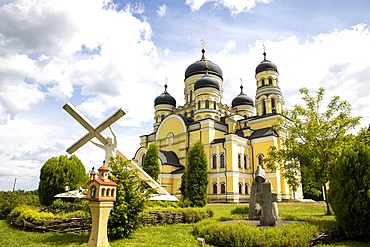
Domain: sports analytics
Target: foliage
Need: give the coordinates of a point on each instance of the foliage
(151, 165)
(243, 234)
(132, 195)
(79, 204)
(58, 172)
(349, 184)
(32, 215)
(12, 199)
(177, 215)
(195, 178)
(240, 210)
(314, 140)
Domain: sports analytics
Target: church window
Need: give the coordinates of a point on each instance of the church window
(214, 188)
(223, 188)
(214, 161)
(214, 105)
(270, 81)
(222, 160)
(162, 117)
(260, 160)
(245, 161)
(263, 82)
(273, 105)
(240, 188)
(239, 161)
(142, 159)
(207, 104)
(247, 189)
(198, 105)
(185, 114)
(191, 95)
(169, 138)
(192, 114)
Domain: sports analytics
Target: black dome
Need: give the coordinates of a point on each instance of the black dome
(200, 67)
(206, 81)
(242, 99)
(266, 65)
(165, 99)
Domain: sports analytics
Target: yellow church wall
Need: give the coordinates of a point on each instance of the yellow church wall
(172, 124)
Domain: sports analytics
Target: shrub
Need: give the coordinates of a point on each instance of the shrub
(349, 184)
(32, 215)
(241, 234)
(12, 199)
(240, 210)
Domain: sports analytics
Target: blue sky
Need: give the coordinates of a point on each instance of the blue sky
(103, 55)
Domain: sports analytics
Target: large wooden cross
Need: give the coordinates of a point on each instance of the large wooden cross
(92, 130)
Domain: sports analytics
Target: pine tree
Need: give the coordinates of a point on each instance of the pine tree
(195, 179)
(151, 165)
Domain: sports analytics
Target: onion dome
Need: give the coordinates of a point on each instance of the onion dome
(165, 99)
(200, 67)
(206, 81)
(266, 65)
(242, 99)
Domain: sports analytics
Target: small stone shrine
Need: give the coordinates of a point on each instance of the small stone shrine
(263, 203)
(101, 195)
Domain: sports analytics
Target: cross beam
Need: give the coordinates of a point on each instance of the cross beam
(92, 130)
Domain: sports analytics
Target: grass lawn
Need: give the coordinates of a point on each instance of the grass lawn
(167, 235)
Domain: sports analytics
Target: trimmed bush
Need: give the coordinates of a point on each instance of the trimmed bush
(349, 184)
(240, 210)
(242, 234)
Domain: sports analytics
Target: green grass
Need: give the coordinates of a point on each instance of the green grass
(167, 235)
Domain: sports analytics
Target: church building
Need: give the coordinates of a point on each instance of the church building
(236, 138)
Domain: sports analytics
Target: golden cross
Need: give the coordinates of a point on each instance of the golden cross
(203, 43)
(264, 47)
(166, 80)
(241, 81)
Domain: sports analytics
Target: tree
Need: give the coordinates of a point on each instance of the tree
(349, 184)
(195, 178)
(314, 140)
(58, 172)
(151, 165)
(132, 195)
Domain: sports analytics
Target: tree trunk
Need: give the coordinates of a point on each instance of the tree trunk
(328, 212)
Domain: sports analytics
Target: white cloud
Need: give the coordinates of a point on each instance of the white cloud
(162, 10)
(234, 6)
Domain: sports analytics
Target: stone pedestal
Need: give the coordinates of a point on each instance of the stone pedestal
(100, 213)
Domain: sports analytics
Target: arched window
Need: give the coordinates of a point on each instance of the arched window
(214, 188)
(112, 193)
(192, 114)
(247, 189)
(191, 95)
(223, 188)
(245, 161)
(142, 159)
(102, 192)
(198, 105)
(270, 81)
(207, 104)
(239, 161)
(214, 105)
(93, 191)
(240, 188)
(263, 82)
(108, 192)
(162, 117)
(222, 160)
(214, 161)
(273, 105)
(260, 160)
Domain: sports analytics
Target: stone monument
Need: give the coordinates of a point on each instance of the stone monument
(263, 203)
(101, 195)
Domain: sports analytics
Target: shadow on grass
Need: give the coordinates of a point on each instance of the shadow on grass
(68, 238)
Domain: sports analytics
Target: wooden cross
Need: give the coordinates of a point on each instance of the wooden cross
(92, 130)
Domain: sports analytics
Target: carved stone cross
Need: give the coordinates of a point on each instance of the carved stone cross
(266, 199)
(92, 130)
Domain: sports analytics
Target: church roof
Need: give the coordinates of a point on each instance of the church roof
(242, 99)
(165, 99)
(169, 158)
(263, 132)
(201, 66)
(266, 65)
